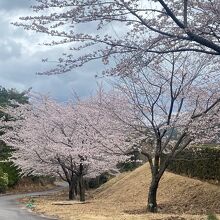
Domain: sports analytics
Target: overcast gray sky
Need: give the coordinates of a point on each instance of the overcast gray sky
(21, 54)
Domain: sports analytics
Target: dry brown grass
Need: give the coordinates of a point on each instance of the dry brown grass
(124, 197)
(26, 185)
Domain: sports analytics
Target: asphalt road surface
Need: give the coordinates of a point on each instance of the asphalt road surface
(11, 210)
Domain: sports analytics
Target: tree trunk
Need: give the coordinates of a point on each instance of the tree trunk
(81, 188)
(71, 191)
(76, 189)
(152, 196)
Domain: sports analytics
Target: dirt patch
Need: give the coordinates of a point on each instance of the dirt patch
(124, 197)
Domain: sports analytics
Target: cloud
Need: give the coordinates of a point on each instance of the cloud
(9, 49)
(20, 73)
(14, 4)
(20, 59)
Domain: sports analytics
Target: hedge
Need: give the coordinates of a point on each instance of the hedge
(201, 162)
(93, 183)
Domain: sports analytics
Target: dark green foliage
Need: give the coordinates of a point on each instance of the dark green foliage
(5, 151)
(127, 166)
(8, 167)
(212, 216)
(12, 171)
(92, 183)
(201, 162)
(6, 97)
(12, 94)
(136, 159)
(3, 181)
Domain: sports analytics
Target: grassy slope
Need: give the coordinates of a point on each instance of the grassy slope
(176, 193)
(124, 197)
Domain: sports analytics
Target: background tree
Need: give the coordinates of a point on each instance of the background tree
(119, 27)
(8, 98)
(69, 140)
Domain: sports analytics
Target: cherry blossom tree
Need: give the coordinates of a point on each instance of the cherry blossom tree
(177, 104)
(71, 140)
(99, 29)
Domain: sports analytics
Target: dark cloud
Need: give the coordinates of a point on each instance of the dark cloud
(20, 59)
(20, 73)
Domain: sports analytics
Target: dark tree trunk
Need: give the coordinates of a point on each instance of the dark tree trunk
(152, 196)
(76, 189)
(156, 176)
(81, 188)
(71, 191)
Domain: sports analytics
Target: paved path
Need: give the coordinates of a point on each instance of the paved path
(11, 210)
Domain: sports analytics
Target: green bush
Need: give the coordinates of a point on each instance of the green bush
(93, 183)
(126, 166)
(30, 203)
(202, 162)
(136, 160)
(3, 181)
(12, 171)
(212, 216)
